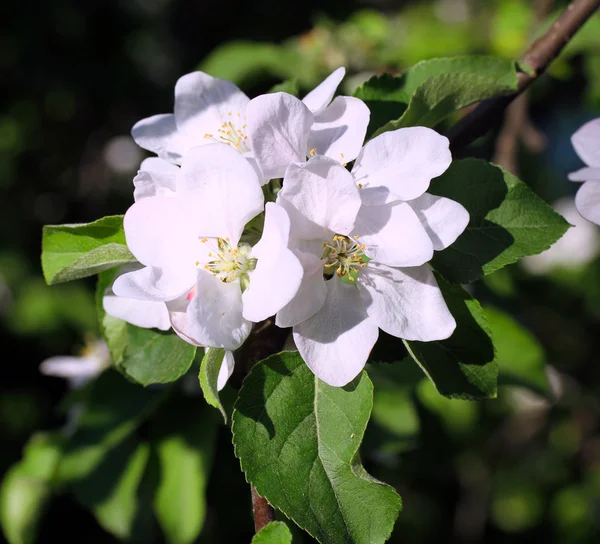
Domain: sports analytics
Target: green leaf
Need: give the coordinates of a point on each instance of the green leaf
(147, 356)
(114, 409)
(275, 532)
(519, 354)
(184, 444)
(27, 488)
(431, 90)
(75, 251)
(464, 365)
(290, 86)
(111, 490)
(209, 372)
(508, 220)
(297, 439)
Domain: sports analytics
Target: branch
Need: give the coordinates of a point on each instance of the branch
(539, 55)
(263, 512)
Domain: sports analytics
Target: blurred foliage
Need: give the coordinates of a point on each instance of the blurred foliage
(524, 466)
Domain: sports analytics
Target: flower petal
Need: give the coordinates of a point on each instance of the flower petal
(178, 315)
(226, 370)
(393, 235)
(318, 99)
(141, 313)
(154, 134)
(215, 313)
(585, 174)
(337, 340)
(310, 296)
(339, 131)
(278, 272)
(220, 191)
(203, 103)
(151, 283)
(586, 142)
(320, 198)
(406, 303)
(444, 219)
(404, 161)
(587, 201)
(278, 128)
(156, 177)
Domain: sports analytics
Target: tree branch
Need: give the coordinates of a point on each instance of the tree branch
(263, 512)
(539, 55)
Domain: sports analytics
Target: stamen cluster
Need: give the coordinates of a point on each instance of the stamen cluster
(345, 255)
(230, 262)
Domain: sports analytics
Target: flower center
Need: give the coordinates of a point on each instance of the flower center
(230, 263)
(230, 134)
(345, 257)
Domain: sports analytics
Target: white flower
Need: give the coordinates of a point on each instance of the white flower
(188, 240)
(79, 370)
(364, 265)
(577, 247)
(284, 130)
(586, 142)
(209, 110)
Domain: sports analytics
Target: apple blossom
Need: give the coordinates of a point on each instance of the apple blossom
(364, 265)
(188, 240)
(586, 142)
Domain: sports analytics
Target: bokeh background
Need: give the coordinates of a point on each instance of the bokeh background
(77, 75)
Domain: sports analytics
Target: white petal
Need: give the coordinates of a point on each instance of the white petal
(586, 142)
(141, 313)
(337, 340)
(156, 177)
(215, 313)
(585, 174)
(404, 161)
(406, 303)
(318, 99)
(179, 319)
(393, 235)
(278, 272)
(226, 370)
(203, 103)
(339, 131)
(587, 201)
(154, 134)
(278, 128)
(154, 284)
(444, 219)
(320, 196)
(310, 296)
(220, 190)
(78, 370)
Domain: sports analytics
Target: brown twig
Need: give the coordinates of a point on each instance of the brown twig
(539, 55)
(263, 512)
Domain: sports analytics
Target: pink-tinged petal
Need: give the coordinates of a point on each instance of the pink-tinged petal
(444, 219)
(203, 103)
(587, 201)
(226, 370)
(156, 177)
(339, 131)
(585, 174)
(215, 313)
(141, 313)
(310, 296)
(406, 303)
(278, 272)
(586, 142)
(278, 129)
(393, 235)
(155, 133)
(219, 191)
(178, 315)
(335, 342)
(320, 197)
(403, 161)
(319, 98)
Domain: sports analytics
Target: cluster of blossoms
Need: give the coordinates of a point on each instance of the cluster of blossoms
(339, 254)
(586, 142)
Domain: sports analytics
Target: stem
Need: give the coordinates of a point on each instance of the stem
(263, 512)
(539, 55)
